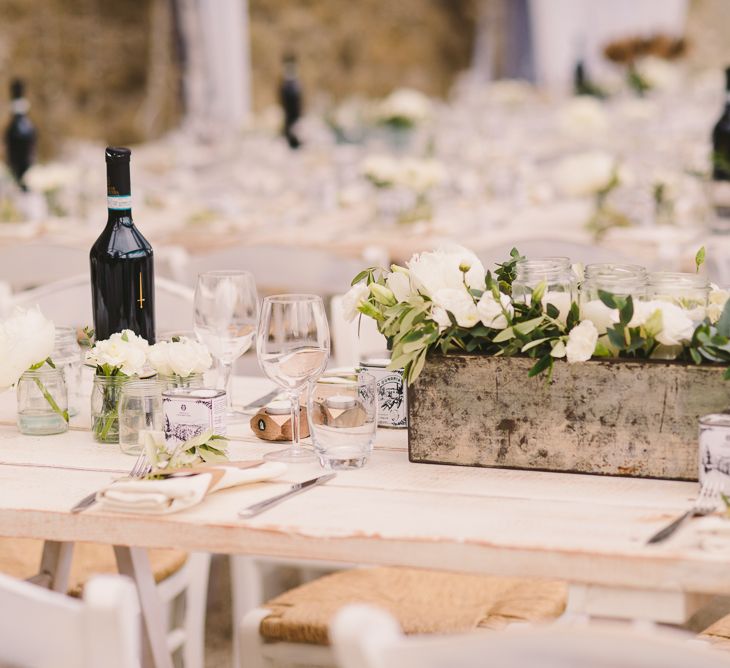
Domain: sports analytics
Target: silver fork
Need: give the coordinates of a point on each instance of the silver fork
(706, 503)
(140, 469)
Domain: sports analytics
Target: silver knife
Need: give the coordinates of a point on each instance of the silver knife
(300, 487)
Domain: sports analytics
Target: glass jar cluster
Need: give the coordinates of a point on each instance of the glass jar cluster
(562, 286)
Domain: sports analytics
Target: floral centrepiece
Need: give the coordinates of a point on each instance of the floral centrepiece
(27, 340)
(444, 301)
(205, 448)
(115, 359)
(180, 362)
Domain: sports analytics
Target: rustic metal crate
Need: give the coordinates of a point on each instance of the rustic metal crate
(609, 417)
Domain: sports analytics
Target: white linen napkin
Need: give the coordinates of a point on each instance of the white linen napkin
(171, 495)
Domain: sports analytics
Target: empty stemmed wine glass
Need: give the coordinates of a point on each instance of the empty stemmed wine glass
(226, 315)
(293, 347)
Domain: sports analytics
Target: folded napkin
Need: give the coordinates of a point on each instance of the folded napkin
(182, 489)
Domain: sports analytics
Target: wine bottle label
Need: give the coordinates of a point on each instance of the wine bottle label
(119, 202)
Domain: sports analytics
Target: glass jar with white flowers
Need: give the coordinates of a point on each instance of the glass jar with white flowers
(116, 360)
(180, 363)
(26, 343)
(690, 292)
(555, 274)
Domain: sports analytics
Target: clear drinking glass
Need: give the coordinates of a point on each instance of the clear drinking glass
(226, 313)
(343, 415)
(140, 409)
(293, 347)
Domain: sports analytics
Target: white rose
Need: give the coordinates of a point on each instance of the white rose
(406, 105)
(382, 170)
(459, 303)
(584, 174)
(26, 338)
(399, 284)
(179, 358)
(124, 351)
(581, 342)
(435, 270)
(676, 325)
(599, 314)
(440, 317)
(355, 297)
(491, 311)
(658, 73)
(718, 298)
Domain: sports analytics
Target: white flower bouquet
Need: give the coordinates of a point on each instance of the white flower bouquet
(444, 301)
(115, 359)
(27, 340)
(403, 109)
(179, 361)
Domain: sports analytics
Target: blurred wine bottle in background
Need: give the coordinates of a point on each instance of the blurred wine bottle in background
(290, 95)
(720, 185)
(122, 263)
(20, 135)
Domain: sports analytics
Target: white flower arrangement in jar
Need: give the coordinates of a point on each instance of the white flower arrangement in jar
(180, 363)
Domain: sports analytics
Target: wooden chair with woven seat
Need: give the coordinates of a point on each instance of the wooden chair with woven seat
(292, 629)
(182, 584)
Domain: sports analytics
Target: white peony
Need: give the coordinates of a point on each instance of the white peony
(353, 299)
(492, 312)
(26, 338)
(584, 173)
(124, 351)
(179, 358)
(440, 317)
(435, 270)
(658, 73)
(400, 285)
(459, 303)
(599, 314)
(582, 341)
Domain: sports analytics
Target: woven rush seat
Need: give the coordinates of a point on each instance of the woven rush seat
(21, 558)
(423, 601)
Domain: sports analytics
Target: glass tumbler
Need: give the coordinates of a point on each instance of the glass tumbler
(342, 412)
(42, 402)
(140, 409)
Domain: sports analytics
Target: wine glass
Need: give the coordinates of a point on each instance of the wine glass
(226, 314)
(293, 347)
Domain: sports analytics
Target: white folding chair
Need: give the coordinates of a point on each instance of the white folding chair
(28, 265)
(44, 629)
(68, 303)
(366, 637)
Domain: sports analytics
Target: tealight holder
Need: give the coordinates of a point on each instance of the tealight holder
(273, 422)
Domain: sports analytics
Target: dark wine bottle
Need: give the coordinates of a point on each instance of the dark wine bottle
(721, 139)
(290, 95)
(122, 263)
(20, 135)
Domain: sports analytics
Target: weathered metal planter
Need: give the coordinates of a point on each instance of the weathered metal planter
(606, 417)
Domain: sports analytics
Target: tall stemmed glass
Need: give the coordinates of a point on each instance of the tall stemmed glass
(226, 315)
(293, 346)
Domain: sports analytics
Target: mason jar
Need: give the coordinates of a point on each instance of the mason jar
(618, 271)
(105, 394)
(42, 402)
(194, 381)
(561, 285)
(622, 280)
(140, 409)
(67, 357)
(690, 292)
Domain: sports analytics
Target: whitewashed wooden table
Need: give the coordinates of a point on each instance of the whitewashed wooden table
(590, 531)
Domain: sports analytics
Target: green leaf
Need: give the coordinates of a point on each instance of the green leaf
(602, 350)
(535, 343)
(505, 335)
(696, 357)
(723, 324)
(552, 311)
(726, 375)
(526, 327)
(700, 258)
(539, 292)
(417, 367)
(362, 275)
(627, 311)
(607, 298)
(616, 337)
(543, 363)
